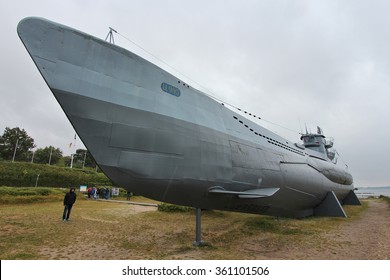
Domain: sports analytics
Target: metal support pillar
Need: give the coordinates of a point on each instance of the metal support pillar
(198, 241)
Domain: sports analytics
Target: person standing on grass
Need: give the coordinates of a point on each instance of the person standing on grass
(89, 192)
(69, 200)
(129, 194)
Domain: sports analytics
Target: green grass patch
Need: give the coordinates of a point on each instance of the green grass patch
(23, 174)
(12, 195)
(12, 191)
(282, 226)
(167, 207)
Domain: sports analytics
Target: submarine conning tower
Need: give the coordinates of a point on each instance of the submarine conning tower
(318, 142)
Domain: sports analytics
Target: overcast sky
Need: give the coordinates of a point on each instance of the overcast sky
(294, 63)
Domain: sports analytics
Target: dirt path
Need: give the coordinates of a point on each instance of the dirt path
(365, 238)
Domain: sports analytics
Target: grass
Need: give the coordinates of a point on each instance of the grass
(23, 195)
(102, 230)
(166, 207)
(385, 198)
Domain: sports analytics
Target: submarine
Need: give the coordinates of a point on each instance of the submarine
(157, 136)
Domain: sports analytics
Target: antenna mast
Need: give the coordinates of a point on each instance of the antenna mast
(110, 35)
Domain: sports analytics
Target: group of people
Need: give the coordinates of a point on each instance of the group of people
(95, 193)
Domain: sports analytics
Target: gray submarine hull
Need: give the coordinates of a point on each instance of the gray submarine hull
(158, 137)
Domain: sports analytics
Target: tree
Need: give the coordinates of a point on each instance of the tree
(49, 155)
(15, 144)
(83, 158)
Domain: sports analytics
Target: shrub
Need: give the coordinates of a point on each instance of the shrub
(17, 195)
(166, 207)
(21, 174)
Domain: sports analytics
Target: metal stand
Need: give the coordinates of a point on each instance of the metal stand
(110, 35)
(198, 241)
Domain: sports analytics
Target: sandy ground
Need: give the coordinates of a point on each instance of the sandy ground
(364, 238)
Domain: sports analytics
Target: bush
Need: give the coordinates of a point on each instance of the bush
(17, 195)
(12, 191)
(166, 207)
(21, 174)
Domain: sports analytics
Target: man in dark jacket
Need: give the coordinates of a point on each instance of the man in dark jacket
(69, 200)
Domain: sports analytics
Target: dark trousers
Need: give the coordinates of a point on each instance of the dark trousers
(66, 213)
